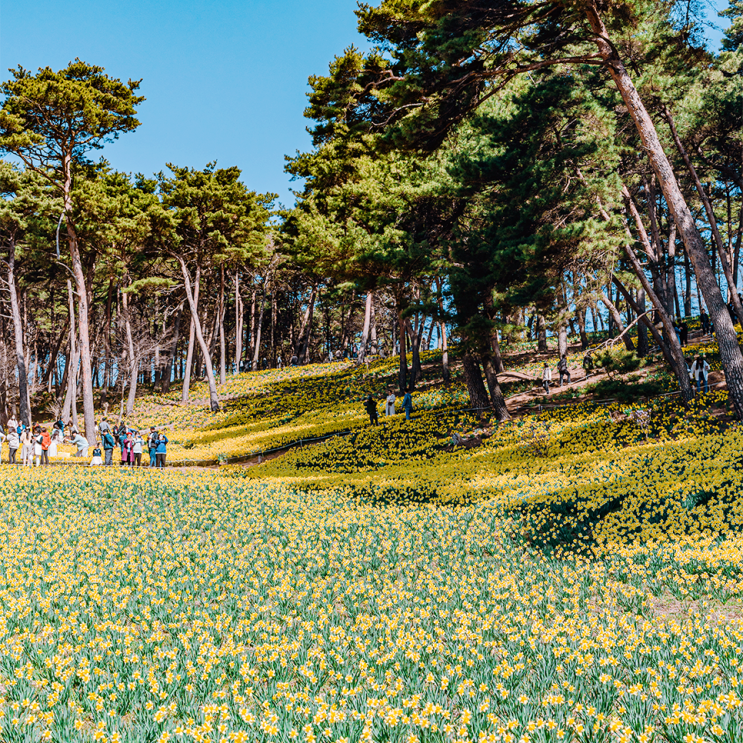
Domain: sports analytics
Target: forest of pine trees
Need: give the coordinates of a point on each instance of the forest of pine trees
(486, 172)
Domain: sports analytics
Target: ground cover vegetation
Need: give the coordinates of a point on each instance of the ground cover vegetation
(490, 187)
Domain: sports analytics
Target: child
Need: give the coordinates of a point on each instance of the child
(97, 458)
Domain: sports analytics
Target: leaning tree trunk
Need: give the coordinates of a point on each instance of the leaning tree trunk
(491, 377)
(213, 398)
(717, 238)
(133, 360)
(191, 337)
(617, 318)
(24, 399)
(238, 323)
(727, 339)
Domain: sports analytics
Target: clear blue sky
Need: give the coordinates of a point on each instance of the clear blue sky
(224, 80)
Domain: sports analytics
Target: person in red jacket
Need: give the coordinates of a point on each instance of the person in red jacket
(46, 442)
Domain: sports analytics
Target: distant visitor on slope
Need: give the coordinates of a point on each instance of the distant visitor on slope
(588, 363)
(562, 368)
(546, 377)
(371, 408)
(389, 408)
(684, 333)
(407, 404)
(700, 373)
(704, 319)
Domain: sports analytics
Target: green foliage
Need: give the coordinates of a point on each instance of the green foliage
(617, 360)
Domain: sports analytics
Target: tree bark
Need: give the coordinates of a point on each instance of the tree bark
(730, 353)
(191, 337)
(717, 238)
(617, 319)
(24, 398)
(222, 349)
(133, 360)
(542, 335)
(473, 379)
(213, 398)
(83, 326)
(402, 374)
(367, 325)
(239, 315)
(259, 330)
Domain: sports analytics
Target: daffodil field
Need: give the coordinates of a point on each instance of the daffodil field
(576, 576)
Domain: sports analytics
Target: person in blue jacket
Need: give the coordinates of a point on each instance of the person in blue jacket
(162, 449)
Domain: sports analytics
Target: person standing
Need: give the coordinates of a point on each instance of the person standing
(152, 446)
(162, 450)
(700, 373)
(371, 408)
(108, 447)
(279, 363)
(27, 448)
(13, 442)
(704, 319)
(46, 442)
(546, 377)
(96, 461)
(137, 446)
(37, 440)
(562, 368)
(684, 333)
(407, 404)
(2, 438)
(389, 408)
(126, 451)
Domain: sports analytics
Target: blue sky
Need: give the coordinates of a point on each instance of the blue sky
(224, 80)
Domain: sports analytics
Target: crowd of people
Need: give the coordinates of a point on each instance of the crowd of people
(34, 447)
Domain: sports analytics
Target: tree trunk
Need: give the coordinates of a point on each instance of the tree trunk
(367, 325)
(305, 331)
(239, 315)
(133, 360)
(24, 398)
(168, 370)
(562, 341)
(259, 330)
(415, 340)
(191, 337)
(83, 327)
(473, 379)
(643, 347)
(70, 404)
(542, 335)
(213, 399)
(717, 238)
(402, 374)
(730, 353)
(222, 349)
